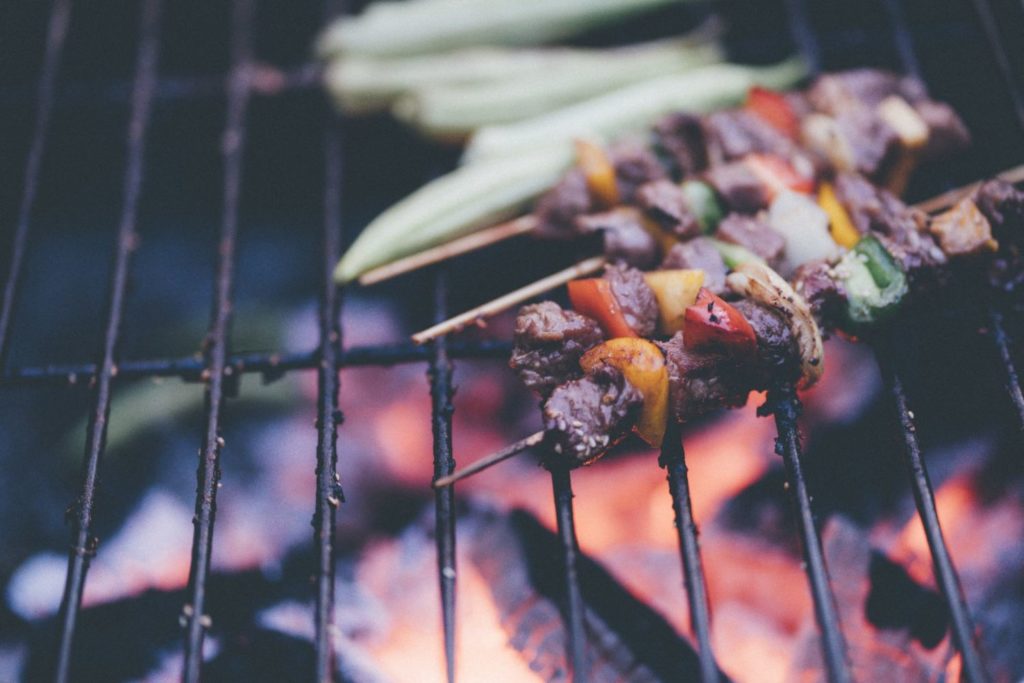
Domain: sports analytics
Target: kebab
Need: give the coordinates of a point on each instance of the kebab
(869, 121)
(631, 354)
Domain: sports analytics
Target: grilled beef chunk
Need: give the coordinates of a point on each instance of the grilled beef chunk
(549, 342)
(557, 210)
(699, 253)
(963, 230)
(870, 140)
(838, 92)
(635, 165)
(738, 186)
(585, 417)
(624, 236)
(663, 202)
(1003, 206)
(947, 134)
(820, 287)
(777, 355)
(735, 133)
(700, 382)
(679, 139)
(902, 229)
(753, 233)
(635, 298)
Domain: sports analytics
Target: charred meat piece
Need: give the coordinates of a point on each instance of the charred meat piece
(635, 165)
(838, 92)
(902, 229)
(735, 133)
(679, 140)
(624, 237)
(699, 253)
(702, 382)
(549, 341)
(963, 230)
(635, 298)
(870, 141)
(585, 417)
(740, 188)
(821, 288)
(557, 210)
(753, 233)
(664, 202)
(777, 356)
(947, 134)
(1003, 206)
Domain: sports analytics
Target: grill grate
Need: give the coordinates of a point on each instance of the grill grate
(219, 369)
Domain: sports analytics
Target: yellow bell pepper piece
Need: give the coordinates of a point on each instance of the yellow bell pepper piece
(599, 171)
(675, 290)
(840, 225)
(643, 366)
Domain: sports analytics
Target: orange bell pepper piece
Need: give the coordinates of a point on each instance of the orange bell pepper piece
(599, 171)
(593, 297)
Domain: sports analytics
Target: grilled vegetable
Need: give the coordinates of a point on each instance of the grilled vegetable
(632, 108)
(875, 285)
(804, 226)
(734, 254)
(773, 108)
(703, 203)
(762, 284)
(712, 324)
(454, 109)
(840, 226)
(593, 297)
(597, 168)
(675, 291)
(387, 29)
(454, 204)
(643, 366)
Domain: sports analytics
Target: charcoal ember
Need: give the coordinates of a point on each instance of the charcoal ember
(635, 164)
(664, 202)
(635, 298)
(702, 254)
(558, 209)
(754, 234)
(739, 187)
(585, 417)
(548, 344)
(891, 652)
(679, 139)
(624, 238)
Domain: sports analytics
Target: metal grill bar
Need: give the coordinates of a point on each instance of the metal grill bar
(673, 460)
(786, 407)
(576, 635)
(329, 494)
(945, 574)
(1002, 342)
(56, 34)
(987, 18)
(83, 543)
(440, 374)
(270, 364)
(208, 471)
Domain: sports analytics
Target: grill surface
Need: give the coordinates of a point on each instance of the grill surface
(220, 369)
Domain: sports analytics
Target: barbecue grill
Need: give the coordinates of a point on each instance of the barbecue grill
(819, 34)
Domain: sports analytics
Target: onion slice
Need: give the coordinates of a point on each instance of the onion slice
(760, 283)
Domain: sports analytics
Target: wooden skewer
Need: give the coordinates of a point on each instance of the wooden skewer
(947, 199)
(585, 267)
(492, 459)
(457, 247)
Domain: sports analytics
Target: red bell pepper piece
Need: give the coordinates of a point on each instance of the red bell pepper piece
(593, 297)
(777, 174)
(712, 324)
(773, 108)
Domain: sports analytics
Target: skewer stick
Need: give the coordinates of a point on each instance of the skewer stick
(948, 199)
(585, 267)
(492, 459)
(457, 247)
